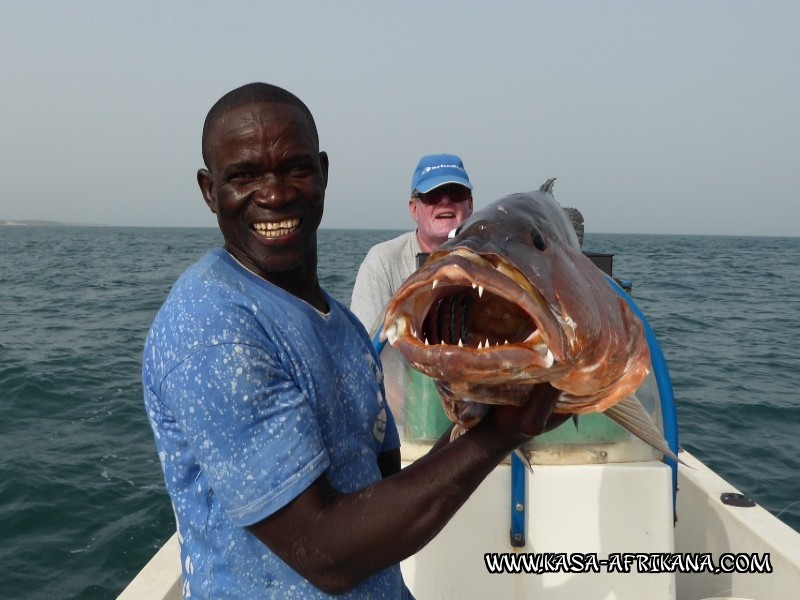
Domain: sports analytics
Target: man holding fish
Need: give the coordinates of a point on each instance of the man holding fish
(266, 397)
(441, 198)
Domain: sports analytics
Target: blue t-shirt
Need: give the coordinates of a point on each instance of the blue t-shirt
(252, 394)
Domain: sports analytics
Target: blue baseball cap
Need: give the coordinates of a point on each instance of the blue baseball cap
(435, 170)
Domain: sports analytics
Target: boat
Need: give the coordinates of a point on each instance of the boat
(714, 519)
(600, 515)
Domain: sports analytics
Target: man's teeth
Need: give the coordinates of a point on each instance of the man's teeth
(277, 228)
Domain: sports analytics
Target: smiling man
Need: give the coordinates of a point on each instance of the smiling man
(266, 397)
(441, 199)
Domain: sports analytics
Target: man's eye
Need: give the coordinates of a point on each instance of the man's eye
(299, 170)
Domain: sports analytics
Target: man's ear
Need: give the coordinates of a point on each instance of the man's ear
(324, 164)
(206, 183)
(412, 208)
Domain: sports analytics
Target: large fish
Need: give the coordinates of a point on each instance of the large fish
(511, 302)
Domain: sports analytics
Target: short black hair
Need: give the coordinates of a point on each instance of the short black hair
(247, 94)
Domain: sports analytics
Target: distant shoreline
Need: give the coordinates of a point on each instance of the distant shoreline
(33, 223)
(29, 223)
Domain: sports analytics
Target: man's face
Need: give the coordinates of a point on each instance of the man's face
(266, 184)
(439, 211)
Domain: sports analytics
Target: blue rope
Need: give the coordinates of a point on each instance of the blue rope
(376, 341)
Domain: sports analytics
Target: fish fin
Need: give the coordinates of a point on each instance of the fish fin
(632, 416)
(456, 432)
(525, 455)
(575, 421)
(547, 186)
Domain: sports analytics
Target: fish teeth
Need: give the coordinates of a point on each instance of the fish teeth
(426, 342)
(535, 338)
(480, 345)
(546, 354)
(460, 343)
(435, 283)
(391, 334)
(480, 291)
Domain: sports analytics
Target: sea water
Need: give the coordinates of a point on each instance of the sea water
(82, 501)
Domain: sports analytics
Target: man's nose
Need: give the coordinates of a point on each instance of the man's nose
(273, 192)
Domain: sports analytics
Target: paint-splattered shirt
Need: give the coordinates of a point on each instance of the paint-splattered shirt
(252, 394)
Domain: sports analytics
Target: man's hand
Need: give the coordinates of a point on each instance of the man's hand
(534, 417)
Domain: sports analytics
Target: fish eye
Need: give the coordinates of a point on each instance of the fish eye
(538, 242)
(454, 232)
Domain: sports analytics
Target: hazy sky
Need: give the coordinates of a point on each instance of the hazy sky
(656, 117)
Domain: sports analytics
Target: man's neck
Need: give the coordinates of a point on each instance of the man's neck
(427, 244)
(305, 287)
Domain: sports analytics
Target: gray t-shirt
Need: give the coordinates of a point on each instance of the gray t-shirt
(386, 266)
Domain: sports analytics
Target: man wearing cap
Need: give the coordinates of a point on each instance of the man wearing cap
(441, 199)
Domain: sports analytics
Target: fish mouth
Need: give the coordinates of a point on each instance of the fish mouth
(475, 316)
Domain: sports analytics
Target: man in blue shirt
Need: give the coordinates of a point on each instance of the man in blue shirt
(266, 397)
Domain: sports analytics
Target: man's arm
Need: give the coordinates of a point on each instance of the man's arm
(389, 462)
(337, 540)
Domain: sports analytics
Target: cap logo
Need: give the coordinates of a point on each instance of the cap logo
(428, 169)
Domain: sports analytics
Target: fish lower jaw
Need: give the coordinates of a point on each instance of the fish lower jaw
(534, 343)
(548, 359)
(446, 361)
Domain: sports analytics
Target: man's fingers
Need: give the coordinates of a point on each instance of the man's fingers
(535, 415)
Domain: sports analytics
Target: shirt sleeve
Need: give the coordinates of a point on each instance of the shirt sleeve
(371, 292)
(252, 429)
(391, 440)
